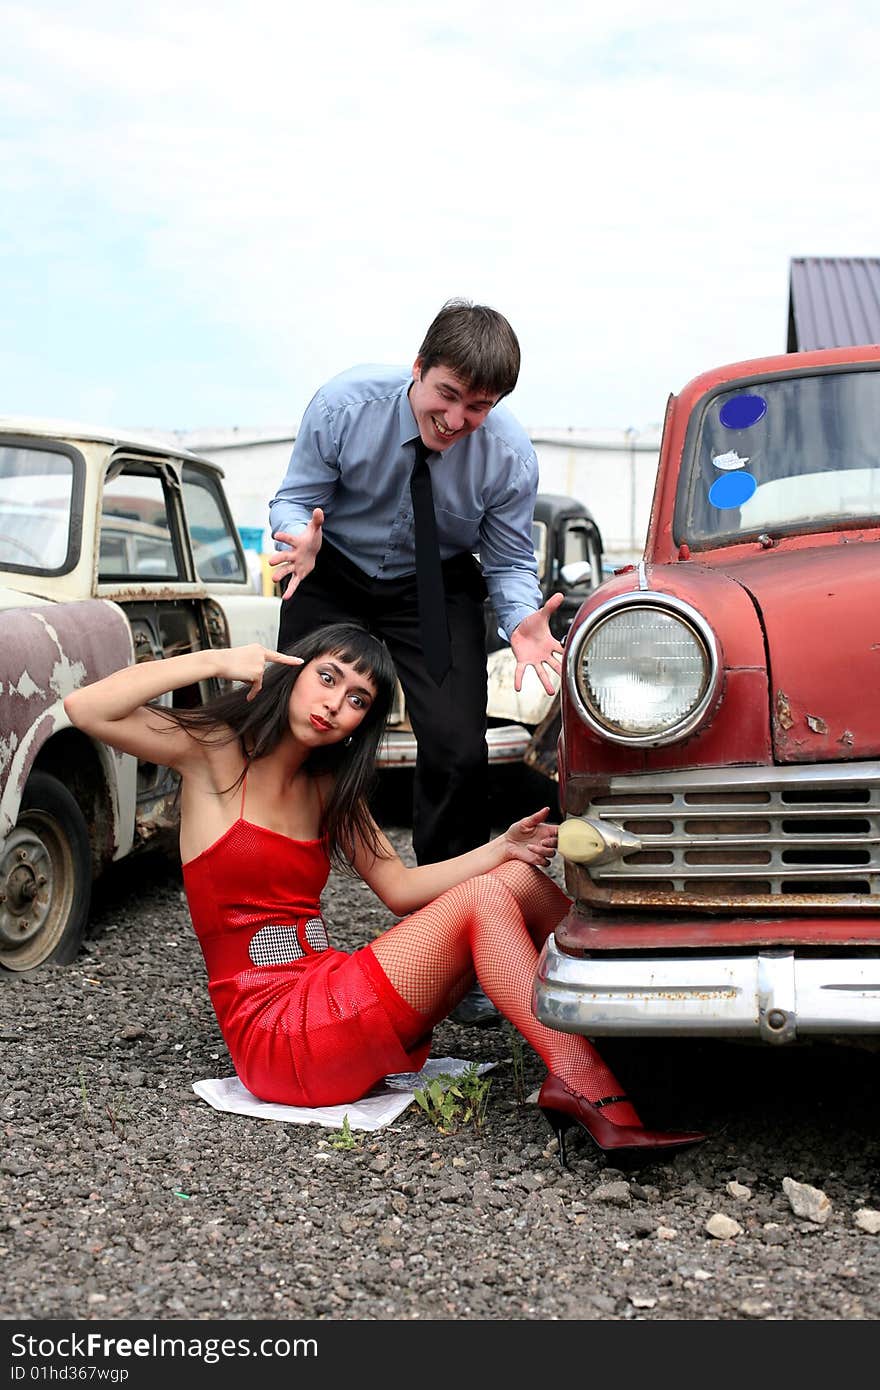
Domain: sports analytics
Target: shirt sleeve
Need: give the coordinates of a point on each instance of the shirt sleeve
(506, 552)
(312, 474)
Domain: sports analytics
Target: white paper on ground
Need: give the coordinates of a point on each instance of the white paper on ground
(383, 1104)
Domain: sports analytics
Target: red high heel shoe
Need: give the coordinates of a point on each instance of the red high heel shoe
(562, 1108)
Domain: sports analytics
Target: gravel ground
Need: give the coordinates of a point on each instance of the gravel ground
(124, 1196)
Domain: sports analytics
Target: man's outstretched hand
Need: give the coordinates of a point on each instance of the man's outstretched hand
(534, 645)
(299, 559)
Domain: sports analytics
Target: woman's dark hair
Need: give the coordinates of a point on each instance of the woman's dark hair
(261, 723)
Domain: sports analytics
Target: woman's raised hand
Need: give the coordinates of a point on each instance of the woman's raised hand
(531, 838)
(248, 664)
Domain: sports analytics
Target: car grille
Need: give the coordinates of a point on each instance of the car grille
(745, 839)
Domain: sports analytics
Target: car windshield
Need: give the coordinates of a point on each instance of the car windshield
(801, 453)
(36, 487)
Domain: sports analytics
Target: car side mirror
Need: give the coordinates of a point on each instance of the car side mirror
(575, 573)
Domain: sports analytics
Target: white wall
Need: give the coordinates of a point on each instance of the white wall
(611, 472)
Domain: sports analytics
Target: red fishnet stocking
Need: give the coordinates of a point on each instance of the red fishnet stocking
(495, 923)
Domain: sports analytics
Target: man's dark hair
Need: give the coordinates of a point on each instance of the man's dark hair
(475, 342)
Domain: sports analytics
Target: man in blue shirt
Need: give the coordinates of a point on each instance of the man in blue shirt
(344, 512)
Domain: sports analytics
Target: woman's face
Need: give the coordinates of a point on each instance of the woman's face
(329, 701)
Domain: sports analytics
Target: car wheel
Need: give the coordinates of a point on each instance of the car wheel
(45, 878)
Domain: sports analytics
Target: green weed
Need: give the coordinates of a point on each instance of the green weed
(450, 1102)
(342, 1138)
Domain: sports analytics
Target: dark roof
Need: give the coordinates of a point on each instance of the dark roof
(834, 301)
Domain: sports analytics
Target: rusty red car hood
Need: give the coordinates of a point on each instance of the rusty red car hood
(820, 609)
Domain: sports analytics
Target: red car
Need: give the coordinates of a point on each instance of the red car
(719, 756)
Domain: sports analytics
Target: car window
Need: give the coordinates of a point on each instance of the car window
(215, 548)
(36, 490)
(136, 538)
(573, 543)
(797, 454)
(579, 546)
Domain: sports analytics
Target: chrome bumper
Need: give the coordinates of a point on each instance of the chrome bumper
(773, 995)
(507, 743)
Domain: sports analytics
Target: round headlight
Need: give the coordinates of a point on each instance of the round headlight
(643, 671)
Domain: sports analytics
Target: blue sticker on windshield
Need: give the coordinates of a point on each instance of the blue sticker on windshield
(731, 490)
(742, 411)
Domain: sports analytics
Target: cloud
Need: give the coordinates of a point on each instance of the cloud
(217, 206)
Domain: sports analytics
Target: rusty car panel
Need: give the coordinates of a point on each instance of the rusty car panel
(47, 652)
(740, 815)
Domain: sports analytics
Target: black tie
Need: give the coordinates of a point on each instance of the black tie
(429, 575)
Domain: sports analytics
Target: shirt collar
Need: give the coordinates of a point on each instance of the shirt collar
(406, 421)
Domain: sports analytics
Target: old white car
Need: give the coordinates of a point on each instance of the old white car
(112, 550)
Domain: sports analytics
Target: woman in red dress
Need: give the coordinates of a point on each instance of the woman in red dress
(274, 781)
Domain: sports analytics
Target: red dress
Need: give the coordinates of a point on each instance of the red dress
(305, 1024)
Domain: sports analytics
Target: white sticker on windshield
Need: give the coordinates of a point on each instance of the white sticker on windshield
(729, 461)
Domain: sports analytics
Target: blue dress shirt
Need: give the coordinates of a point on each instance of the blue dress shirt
(353, 457)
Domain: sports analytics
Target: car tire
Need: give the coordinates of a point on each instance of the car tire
(45, 878)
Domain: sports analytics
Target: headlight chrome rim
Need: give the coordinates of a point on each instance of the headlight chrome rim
(701, 630)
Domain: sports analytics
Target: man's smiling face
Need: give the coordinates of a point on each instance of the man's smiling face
(445, 407)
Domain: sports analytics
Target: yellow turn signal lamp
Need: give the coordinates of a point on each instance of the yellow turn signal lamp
(584, 841)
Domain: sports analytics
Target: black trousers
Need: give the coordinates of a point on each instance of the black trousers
(451, 787)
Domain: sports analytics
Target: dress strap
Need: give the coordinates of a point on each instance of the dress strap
(243, 790)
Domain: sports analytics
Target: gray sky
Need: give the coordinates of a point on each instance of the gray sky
(206, 209)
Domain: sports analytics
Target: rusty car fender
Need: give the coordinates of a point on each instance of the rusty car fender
(46, 651)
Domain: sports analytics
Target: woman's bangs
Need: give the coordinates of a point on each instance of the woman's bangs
(367, 657)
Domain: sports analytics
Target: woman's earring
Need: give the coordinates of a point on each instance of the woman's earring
(348, 741)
